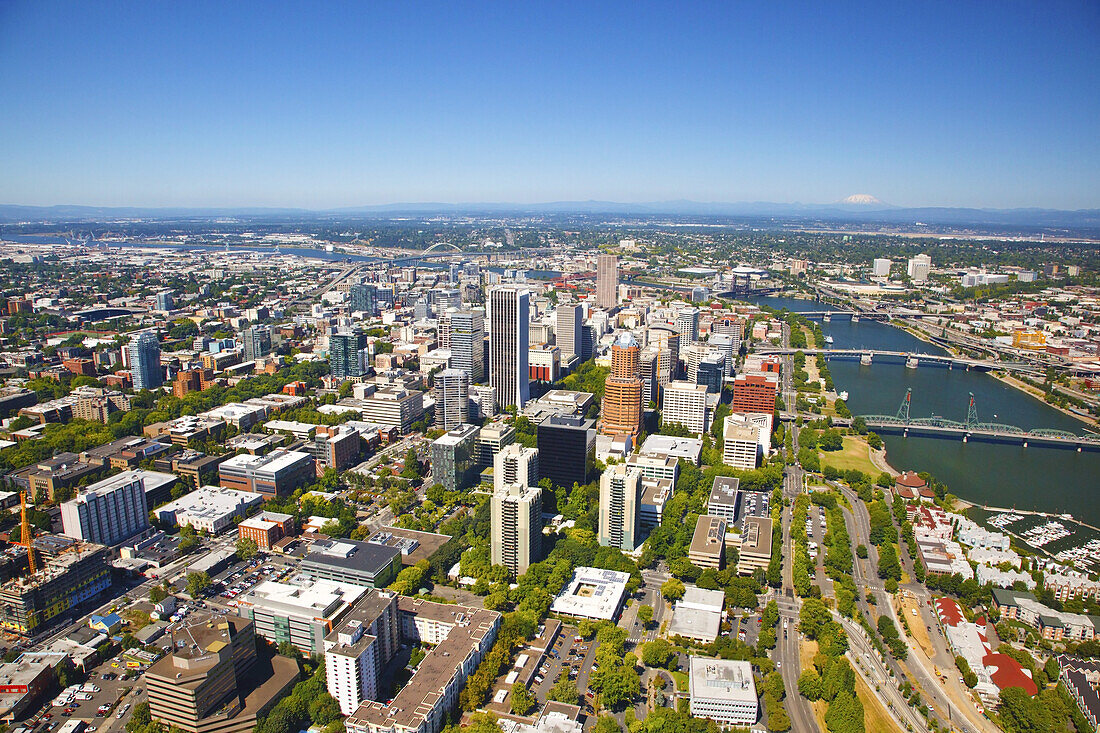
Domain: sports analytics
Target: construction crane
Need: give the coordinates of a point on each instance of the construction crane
(25, 538)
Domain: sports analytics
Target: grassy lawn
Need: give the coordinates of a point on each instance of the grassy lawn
(875, 716)
(681, 680)
(138, 619)
(855, 454)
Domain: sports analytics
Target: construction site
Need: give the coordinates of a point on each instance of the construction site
(60, 573)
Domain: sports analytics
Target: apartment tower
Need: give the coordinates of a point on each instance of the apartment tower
(509, 337)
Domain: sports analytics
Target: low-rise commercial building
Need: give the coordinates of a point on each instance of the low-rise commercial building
(592, 593)
(723, 691)
(24, 683)
(266, 528)
(209, 509)
(276, 474)
(755, 551)
(301, 614)
(708, 543)
(668, 446)
(351, 561)
(698, 615)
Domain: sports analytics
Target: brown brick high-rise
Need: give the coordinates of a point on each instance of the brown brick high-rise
(755, 392)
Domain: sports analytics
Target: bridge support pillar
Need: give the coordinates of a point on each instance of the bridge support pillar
(905, 433)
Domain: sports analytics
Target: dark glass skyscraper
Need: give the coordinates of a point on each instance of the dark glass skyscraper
(343, 353)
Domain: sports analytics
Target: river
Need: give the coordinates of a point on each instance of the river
(1040, 478)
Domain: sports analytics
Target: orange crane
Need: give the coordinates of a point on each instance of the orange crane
(25, 538)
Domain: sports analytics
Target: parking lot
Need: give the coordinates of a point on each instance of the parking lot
(568, 655)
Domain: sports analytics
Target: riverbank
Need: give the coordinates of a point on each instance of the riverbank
(1038, 394)
(1004, 378)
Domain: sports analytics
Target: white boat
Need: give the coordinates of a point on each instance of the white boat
(828, 339)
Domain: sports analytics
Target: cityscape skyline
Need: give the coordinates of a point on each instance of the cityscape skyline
(946, 105)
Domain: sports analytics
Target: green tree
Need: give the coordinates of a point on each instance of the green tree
(1021, 713)
(607, 724)
(809, 685)
(197, 583)
(157, 594)
(247, 548)
(645, 615)
(564, 690)
(656, 653)
(673, 589)
(522, 700)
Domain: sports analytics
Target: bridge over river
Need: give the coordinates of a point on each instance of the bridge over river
(913, 359)
(974, 429)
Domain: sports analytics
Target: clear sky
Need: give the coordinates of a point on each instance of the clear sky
(989, 103)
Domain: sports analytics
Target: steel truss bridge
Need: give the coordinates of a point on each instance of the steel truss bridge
(914, 359)
(975, 429)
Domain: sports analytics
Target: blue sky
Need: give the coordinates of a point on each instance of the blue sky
(992, 104)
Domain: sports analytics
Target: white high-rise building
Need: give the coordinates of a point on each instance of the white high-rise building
(509, 337)
(919, 268)
(723, 343)
(693, 355)
(687, 323)
(740, 444)
(107, 512)
(620, 493)
(516, 525)
(685, 403)
(569, 330)
(515, 464)
(463, 332)
(607, 281)
(881, 267)
(452, 398)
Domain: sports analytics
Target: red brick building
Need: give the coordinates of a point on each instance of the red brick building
(80, 366)
(755, 392)
(267, 528)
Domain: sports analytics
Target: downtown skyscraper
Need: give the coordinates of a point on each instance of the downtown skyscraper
(621, 408)
(452, 398)
(144, 356)
(607, 281)
(343, 353)
(569, 330)
(463, 332)
(509, 340)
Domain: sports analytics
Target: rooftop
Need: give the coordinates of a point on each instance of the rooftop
(352, 554)
(592, 593)
(724, 491)
(710, 535)
(724, 679)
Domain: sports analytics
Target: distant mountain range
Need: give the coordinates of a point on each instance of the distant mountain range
(860, 208)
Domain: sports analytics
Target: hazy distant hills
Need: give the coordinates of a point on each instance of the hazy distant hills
(859, 208)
